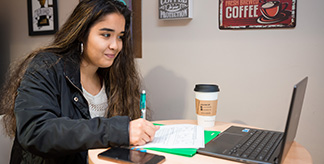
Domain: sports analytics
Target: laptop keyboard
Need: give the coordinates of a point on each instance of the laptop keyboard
(258, 145)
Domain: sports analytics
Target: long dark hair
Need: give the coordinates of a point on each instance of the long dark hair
(121, 79)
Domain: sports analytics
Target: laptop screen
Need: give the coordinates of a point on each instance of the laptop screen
(293, 116)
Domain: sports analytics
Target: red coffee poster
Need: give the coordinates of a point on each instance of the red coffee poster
(243, 14)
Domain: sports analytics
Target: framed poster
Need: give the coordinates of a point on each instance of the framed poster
(177, 9)
(42, 17)
(247, 14)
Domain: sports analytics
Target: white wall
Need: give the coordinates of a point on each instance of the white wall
(255, 69)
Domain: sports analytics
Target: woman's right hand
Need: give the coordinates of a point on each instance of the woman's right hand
(141, 132)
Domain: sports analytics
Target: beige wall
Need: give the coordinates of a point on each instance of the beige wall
(255, 69)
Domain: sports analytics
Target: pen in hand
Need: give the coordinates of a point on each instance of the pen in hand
(143, 104)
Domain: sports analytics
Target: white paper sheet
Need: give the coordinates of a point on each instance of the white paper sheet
(178, 136)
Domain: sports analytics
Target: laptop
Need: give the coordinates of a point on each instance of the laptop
(250, 145)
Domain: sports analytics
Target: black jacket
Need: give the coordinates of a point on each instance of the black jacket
(53, 120)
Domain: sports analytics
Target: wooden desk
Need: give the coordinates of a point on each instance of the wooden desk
(296, 155)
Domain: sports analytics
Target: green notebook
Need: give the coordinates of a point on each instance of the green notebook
(188, 152)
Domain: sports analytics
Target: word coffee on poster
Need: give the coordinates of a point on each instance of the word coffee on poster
(243, 14)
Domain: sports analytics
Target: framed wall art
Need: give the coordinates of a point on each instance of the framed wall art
(247, 14)
(176, 9)
(42, 17)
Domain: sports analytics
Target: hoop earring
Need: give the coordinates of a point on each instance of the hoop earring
(81, 45)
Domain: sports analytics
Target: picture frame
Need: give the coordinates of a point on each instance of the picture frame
(173, 10)
(42, 17)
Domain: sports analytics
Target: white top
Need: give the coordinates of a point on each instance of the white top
(98, 104)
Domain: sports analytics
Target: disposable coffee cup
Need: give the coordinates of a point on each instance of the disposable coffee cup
(206, 96)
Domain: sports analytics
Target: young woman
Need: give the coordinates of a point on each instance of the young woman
(78, 93)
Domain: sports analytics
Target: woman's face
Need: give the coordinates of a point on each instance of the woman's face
(104, 41)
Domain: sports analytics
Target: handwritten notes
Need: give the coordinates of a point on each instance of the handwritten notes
(178, 136)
